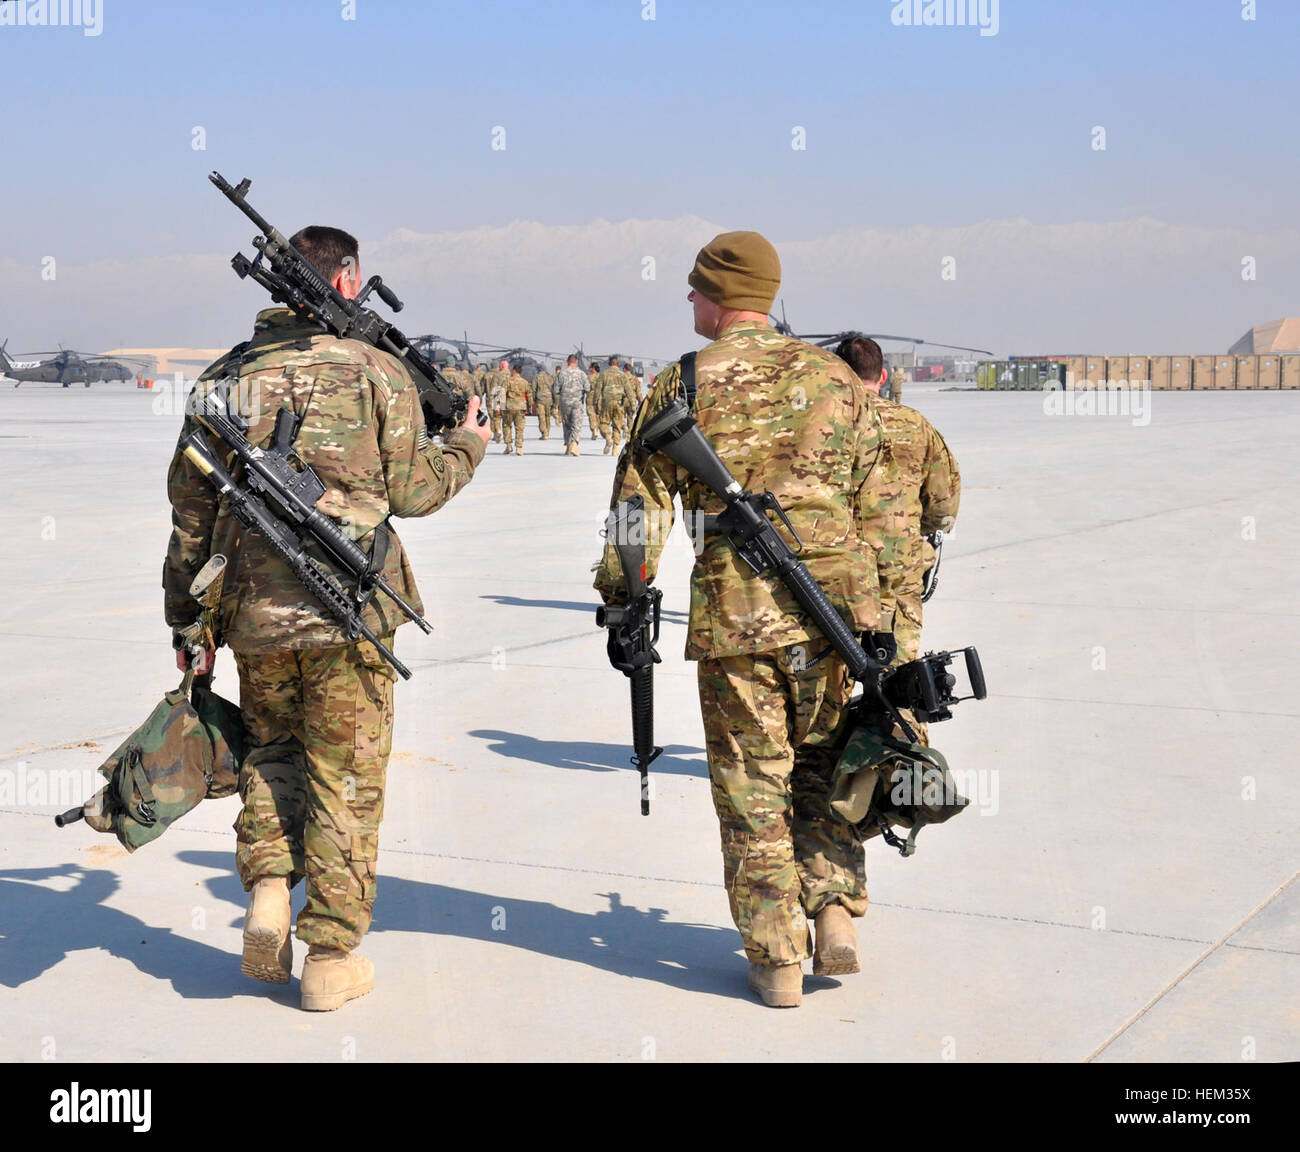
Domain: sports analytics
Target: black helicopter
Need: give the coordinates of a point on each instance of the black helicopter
(67, 368)
(831, 339)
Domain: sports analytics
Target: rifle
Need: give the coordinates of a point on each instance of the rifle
(633, 633)
(294, 282)
(270, 474)
(252, 511)
(757, 542)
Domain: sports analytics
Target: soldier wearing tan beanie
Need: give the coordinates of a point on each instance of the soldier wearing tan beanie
(792, 419)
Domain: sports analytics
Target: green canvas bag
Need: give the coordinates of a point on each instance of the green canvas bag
(881, 783)
(190, 748)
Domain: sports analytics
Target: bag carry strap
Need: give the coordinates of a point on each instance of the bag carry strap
(688, 380)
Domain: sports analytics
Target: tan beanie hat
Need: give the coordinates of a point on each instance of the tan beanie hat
(739, 270)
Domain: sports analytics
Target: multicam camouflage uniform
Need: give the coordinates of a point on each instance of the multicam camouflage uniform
(543, 383)
(516, 408)
(318, 708)
(613, 407)
(918, 493)
(495, 382)
(791, 418)
(571, 394)
(593, 401)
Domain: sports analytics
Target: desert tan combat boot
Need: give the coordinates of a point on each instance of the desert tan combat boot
(268, 944)
(836, 953)
(779, 987)
(331, 978)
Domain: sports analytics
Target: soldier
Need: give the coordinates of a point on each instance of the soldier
(895, 384)
(613, 387)
(791, 418)
(593, 400)
(516, 408)
(495, 382)
(480, 385)
(317, 705)
(631, 394)
(919, 494)
(570, 392)
(543, 385)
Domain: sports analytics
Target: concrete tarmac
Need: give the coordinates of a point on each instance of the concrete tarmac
(1123, 888)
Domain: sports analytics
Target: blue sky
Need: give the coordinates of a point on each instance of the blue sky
(386, 121)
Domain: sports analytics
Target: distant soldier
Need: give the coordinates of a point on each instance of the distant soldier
(613, 405)
(543, 385)
(570, 392)
(593, 400)
(631, 392)
(516, 408)
(917, 495)
(480, 385)
(896, 384)
(496, 396)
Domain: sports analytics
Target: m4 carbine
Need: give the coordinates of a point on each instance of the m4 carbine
(633, 633)
(922, 684)
(294, 282)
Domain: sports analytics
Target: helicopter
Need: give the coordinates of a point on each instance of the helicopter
(67, 368)
(831, 339)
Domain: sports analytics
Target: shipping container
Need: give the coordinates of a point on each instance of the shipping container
(1225, 372)
(1116, 371)
(1247, 371)
(1158, 370)
(1268, 374)
(1203, 373)
(1096, 371)
(1290, 370)
(1139, 372)
(1076, 371)
(1180, 372)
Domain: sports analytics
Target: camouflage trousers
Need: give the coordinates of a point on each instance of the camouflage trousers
(515, 428)
(544, 420)
(572, 418)
(774, 731)
(495, 417)
(613, 426)
(320, 730)
(593, 418)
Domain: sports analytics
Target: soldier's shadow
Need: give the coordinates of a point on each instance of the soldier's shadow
(41, 925)
(588, 755)
(668, 616)
(628, 941)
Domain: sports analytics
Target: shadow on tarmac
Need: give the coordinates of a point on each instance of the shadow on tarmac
(588, 755)
(668, 616)
(41, 925)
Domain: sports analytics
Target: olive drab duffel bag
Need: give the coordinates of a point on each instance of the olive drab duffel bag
(188, 750)
(881, 783)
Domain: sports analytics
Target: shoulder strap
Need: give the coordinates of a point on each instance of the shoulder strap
(688, 380)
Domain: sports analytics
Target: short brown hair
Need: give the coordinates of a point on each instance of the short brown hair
(326, 249)
(863, 355)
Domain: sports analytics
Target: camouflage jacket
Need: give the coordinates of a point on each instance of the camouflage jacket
(631, 390)
(570, 386)
(918, 493)
(543, 386)
(361, 430)
(495, 382)
(787, 417)
(517, 393)
(612, 384)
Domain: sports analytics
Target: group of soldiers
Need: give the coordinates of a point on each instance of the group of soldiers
(609, 396)
(862, 480)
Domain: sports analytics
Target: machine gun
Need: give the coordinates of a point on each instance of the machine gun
(253, 512)
(294, 282)
(633, 633)
(294, 493)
